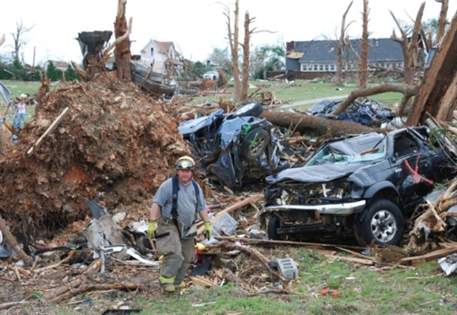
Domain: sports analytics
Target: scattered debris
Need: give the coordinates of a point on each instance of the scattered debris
(235, 147)
(365, 112)
(448, 264)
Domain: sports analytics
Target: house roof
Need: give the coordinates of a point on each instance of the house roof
(381, 49)
(162, 47)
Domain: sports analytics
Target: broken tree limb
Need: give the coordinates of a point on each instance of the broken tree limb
(7, 305)
(50, 129)
(286, 243)
(442, 19)
(313, 124)
(94, 287)
(437, 79)
(408, 90)
(448, 102)
(429, 256)
(11, 241)
(255, 254)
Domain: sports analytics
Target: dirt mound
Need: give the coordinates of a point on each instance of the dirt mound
(113, 141)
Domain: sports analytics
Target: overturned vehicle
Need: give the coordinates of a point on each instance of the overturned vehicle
(366, 112)
(234, 148)
(363, 185)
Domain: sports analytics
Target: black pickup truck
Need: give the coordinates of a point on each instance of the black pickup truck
(363, 185)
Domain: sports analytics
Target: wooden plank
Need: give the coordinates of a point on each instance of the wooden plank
(429, 256)
(356, 260)
(50, 129)
(437, 78)
(291, 243)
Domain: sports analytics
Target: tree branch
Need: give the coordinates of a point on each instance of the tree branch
(400, 88)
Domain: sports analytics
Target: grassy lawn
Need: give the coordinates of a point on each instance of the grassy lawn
(362, 290)
(302, 90)
(19, 87)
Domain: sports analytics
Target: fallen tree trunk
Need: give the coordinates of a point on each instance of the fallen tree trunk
(317, 125)
(407, 90)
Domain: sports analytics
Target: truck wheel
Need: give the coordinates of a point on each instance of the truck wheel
(255, 143)
(273, 224)
(381, 223)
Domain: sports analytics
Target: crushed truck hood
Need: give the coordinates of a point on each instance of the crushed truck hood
(316, 173)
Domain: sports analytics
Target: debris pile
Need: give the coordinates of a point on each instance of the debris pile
(113, 140)
(430, 227)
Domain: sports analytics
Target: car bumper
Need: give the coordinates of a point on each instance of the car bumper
(345, 208)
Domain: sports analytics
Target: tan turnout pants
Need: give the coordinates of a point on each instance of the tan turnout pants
(178, 253)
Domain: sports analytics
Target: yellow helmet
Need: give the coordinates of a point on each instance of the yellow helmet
(185, 163)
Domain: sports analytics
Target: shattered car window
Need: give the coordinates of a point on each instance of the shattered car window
(363, 148)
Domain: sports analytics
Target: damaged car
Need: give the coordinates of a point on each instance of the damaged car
(364, 185)
(235, 147)
(366, 112)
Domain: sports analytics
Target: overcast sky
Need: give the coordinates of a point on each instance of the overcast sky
(196, 26)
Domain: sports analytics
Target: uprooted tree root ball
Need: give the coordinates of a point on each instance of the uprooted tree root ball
(114, 140)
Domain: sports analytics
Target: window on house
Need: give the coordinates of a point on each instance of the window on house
(321, 67)
(326, 67)
(316, 67)
(152, 51)
(332, 68)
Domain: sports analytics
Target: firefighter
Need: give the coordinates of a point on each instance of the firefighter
(175, 208)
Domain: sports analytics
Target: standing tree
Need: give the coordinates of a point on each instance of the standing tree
(341, 47)
(233, 36)
(248, 31)
(410, 45)
(18, 39)
(442, 19)
(122, 53)
(364, 46)
(410, 48)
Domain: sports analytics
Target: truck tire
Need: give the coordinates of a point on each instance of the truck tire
(381, 223)
(273, 224)
(254, 143)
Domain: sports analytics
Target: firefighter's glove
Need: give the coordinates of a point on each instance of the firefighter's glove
(207, 229)
(152, 228)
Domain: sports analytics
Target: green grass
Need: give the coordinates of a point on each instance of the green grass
(19, 87)
(302, 90)
(363, 290)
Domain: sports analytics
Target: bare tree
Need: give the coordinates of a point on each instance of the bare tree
(122, 53)
(364, 46)
(410, 44)
(442, 19)
(233, 37)
(248, 31)
(18, 38)
(341, 47)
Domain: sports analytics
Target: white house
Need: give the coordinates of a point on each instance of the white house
(159, 54)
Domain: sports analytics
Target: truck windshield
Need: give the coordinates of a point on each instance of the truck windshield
(365, 148)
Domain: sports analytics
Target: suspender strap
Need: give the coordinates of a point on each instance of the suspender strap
(174, 200)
